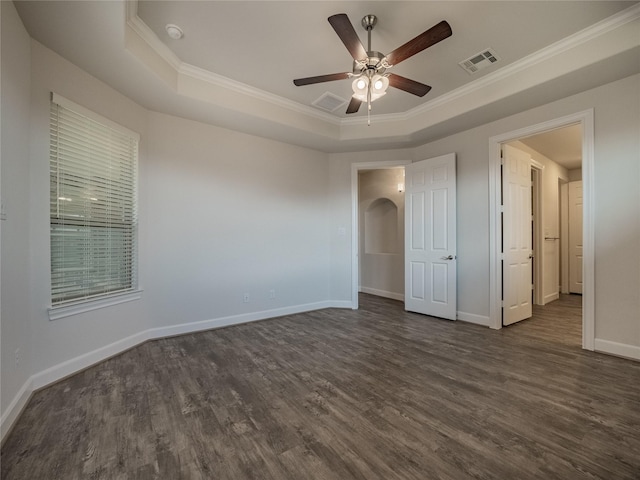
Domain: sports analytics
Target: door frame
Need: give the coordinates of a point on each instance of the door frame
(563, 195)
(355, 224)
(586, 120)
(538, 237)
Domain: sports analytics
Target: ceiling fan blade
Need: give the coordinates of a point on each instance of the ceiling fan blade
(354, 105)
(408, 85)
(320, 78)
(432, 36)
(343, 27)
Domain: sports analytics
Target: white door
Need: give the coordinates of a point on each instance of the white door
(430, 237)
(575, 237)
(516, 236)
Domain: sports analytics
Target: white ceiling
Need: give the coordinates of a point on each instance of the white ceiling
(268, 44)
(563, 146)
(235, 65)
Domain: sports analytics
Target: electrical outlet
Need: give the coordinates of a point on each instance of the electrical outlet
(17, 357)
(245, 298)
(272, 294)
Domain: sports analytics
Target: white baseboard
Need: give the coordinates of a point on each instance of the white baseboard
(342, 304)
(473, 318)
(617, 349)
(15, 408)
(551, 297)
(383, 293)
(163, 332)
(74, 365)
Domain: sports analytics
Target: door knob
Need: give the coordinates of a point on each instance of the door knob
(450, 257)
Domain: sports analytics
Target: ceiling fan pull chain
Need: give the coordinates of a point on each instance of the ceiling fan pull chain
(369, 104)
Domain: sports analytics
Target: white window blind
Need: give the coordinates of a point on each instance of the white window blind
(93, 173)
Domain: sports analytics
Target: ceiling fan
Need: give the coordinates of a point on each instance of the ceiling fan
(370, 68)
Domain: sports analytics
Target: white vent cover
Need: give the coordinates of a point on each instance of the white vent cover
(479, 61)
(329, 102)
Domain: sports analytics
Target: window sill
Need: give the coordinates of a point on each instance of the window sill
(63, 311)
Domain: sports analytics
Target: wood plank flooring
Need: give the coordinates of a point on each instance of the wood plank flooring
(371, 394)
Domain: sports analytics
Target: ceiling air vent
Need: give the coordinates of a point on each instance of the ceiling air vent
(329, 102)
(479, 61)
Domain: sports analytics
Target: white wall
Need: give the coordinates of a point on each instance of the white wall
(230, 213)
(617, 210)
(221, 213)
(472, 223)
(617, 215)
(59, 341)
(617, 201)
(340, 203)
(14, 190)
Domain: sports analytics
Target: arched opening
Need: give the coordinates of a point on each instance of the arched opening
(381, 227)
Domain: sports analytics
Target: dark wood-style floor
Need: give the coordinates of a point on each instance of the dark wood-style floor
(376, 393)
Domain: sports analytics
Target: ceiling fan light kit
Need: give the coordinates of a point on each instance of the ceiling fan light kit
(369, 72)
(365, 88)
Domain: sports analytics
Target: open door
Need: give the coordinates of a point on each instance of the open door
(516, 236)
(430, 237)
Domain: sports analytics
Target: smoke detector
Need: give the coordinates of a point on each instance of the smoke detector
(174, 31)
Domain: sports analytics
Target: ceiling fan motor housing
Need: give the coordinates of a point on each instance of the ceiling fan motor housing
(372, 62)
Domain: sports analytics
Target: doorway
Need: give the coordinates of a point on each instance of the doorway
(379, 245)
(381, 207)
(427, 253)
(585, 121)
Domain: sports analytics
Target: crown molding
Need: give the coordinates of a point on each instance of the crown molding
(146, 34)
(209, 77)
(212, 78)
(585, 35)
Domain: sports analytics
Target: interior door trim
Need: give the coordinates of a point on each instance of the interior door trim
(355, 241)
(586, 119)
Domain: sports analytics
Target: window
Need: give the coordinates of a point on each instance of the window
(93, 170)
